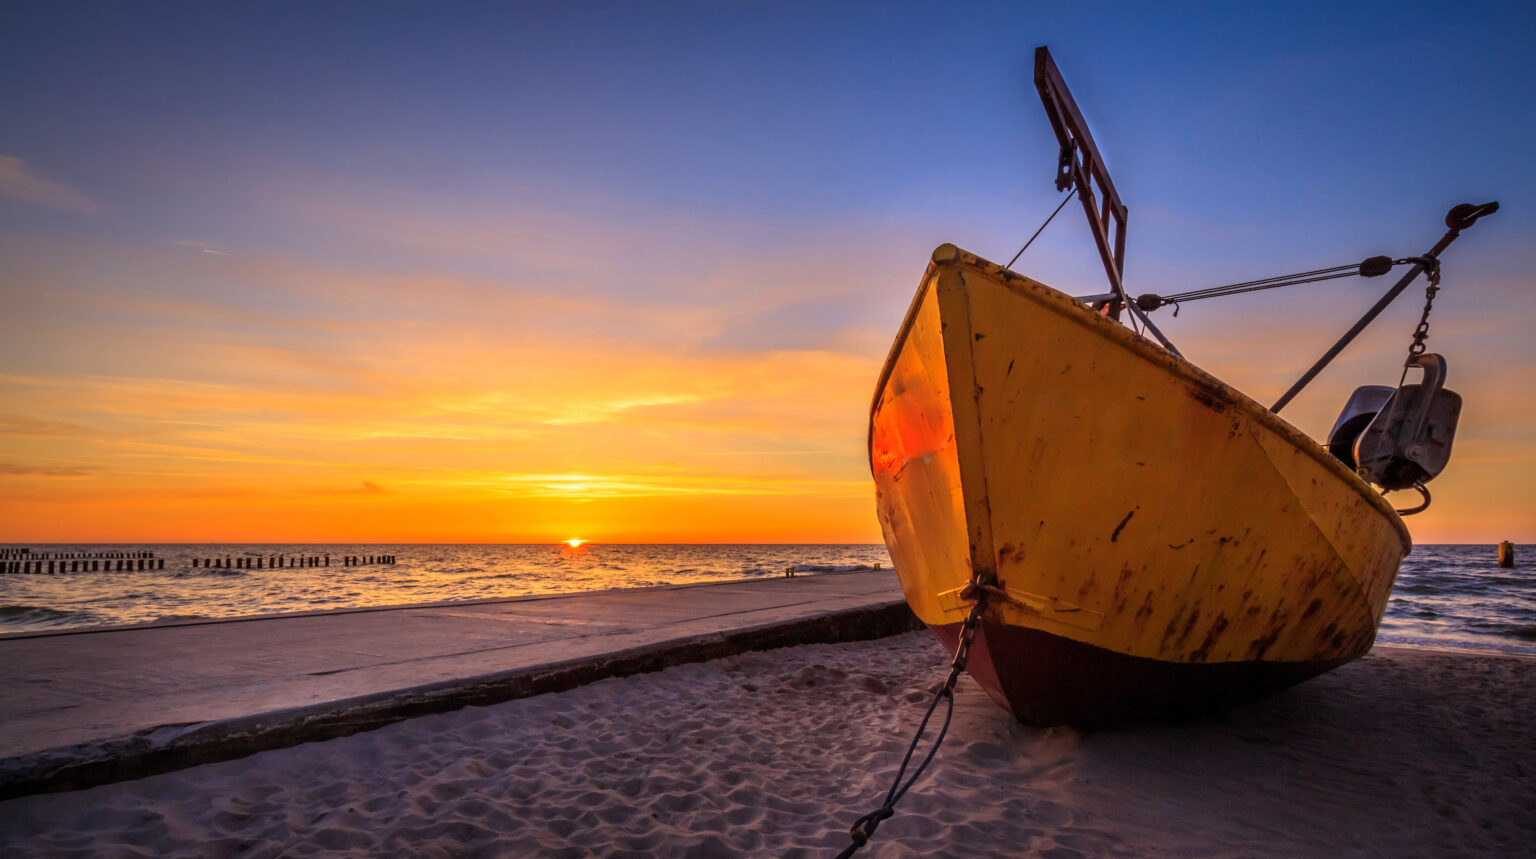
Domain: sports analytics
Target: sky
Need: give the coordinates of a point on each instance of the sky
(523, 272)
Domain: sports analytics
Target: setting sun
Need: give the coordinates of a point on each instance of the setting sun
(574, 543)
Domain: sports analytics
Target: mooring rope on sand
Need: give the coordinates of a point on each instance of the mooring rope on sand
(864, 828)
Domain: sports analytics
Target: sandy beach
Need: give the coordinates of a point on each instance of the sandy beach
(1404, 753)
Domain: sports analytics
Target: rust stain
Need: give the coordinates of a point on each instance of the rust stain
(1337, 642)
(1262, 645)
(1189, 624)
(1125, 576)
(1115, 537)
(1202, 652)
(1363, 637)
(1210, 399)
(1311, 609)
(1173, 625)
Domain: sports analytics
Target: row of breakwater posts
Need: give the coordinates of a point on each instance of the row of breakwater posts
(47, 563)
(24, 561)
(275, 562)
(29, 555)
(82, 565)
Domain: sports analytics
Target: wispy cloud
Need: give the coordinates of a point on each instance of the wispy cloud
(367, 487)
(16, 425)
(11, 468)
(205, 247)
(19, 183)
(579, 486)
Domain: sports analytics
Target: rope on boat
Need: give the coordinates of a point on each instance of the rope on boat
(864, 828)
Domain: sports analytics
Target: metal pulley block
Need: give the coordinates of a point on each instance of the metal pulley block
(1409, 441)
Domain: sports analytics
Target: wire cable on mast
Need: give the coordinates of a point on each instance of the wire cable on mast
(1372, 267)
(1042, 227)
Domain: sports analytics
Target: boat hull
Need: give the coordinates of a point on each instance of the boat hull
(1161, 543)
(1046, 679)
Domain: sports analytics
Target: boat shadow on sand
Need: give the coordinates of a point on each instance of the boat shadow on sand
(1398, 751)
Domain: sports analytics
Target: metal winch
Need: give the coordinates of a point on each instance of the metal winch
(1400, 438)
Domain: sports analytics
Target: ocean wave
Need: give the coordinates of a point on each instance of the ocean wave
(171, 618)
(836, 568)
(1455, 641)
(209, 573)
(1419, 588)
(29, 615)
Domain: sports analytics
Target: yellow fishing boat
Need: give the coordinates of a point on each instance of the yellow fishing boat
(1144, 539)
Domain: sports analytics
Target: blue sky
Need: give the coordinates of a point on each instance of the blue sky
(786, 113)
(712, 185)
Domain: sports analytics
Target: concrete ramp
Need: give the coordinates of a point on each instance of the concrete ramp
(88, 707)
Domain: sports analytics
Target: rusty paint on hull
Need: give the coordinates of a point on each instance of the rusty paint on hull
(1130, 505)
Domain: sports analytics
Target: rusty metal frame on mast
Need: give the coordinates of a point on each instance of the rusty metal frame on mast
(1082, 166)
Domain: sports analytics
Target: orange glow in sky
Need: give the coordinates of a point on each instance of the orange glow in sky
(261, 286)
(453, 410)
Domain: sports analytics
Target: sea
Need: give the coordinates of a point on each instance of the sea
(1445, 596)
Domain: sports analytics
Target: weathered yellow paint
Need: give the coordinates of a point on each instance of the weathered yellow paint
(915, 447)
(1123, 497)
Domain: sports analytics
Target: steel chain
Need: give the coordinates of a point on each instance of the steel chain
(1421, 333)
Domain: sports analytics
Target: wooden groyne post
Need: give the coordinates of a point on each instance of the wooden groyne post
(1506, 554)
